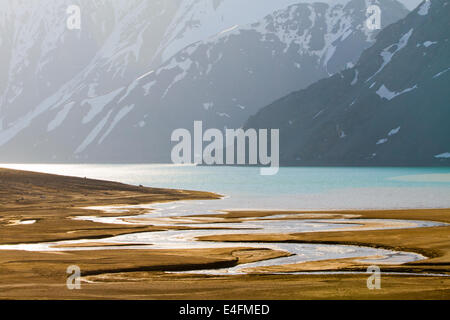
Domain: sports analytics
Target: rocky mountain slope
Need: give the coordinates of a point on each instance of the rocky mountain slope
(392, 108)
(115, 90)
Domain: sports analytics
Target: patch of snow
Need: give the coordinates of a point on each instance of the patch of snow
(381, 141)
(119, 116)
(60, 117)
(229, 29)
(347, 33)
(423, 10)
(129, 89)
(426, 44)
(145, 75)
(355, 79)
(9, 133)
(93, 134)
(147, 87)
(387, 55)
(394, 131)
(184, 66)
(98, 103)
(317, 114)
(445, 155)
(328, 55)
(385, 93)
(441, 73)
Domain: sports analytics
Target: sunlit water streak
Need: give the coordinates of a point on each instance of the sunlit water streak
(189, 239)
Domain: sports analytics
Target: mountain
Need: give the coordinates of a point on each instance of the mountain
(45, 63)
(49, 68)
(115, 90)
(117, 41)
(391, 108)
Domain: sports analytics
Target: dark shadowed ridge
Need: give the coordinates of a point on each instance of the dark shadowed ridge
(392, 108)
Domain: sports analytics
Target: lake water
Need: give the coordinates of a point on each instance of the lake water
(291, 188)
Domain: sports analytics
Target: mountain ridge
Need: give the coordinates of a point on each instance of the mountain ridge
(103, 112)
(390, 109)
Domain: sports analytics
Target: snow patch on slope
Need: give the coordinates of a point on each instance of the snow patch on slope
(98, 103)
(385, 93)
(426, 44)
(60, 117)
(424, 8)
(119, 116)
(394, 131)
(93, 134)
(387, 55)
(441, 73)
(445, 155)
(382, 141)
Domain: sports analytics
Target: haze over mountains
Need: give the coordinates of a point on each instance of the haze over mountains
(392, 108)
(116, 89)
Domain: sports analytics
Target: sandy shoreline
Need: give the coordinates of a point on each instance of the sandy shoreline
(52, 201)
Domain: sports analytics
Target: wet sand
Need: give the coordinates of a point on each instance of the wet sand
(432, 242)
(52, 201)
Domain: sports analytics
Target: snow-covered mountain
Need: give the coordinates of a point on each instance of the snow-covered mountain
(44, 62)
(119, 39)
(137, 69)
(392, 108)
(197, 20)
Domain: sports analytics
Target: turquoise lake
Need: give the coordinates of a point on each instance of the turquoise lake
(291, 188)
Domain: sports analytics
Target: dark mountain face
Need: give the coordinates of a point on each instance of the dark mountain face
(392, 108)
(101, 115)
